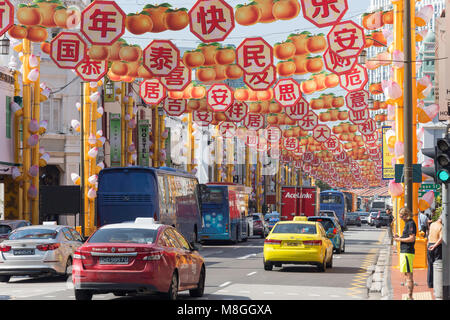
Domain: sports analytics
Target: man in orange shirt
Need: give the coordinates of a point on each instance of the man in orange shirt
(434, 251)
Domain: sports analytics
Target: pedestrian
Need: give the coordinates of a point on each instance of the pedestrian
(424, 222)
(407, 252)
(390, 225)
(434, 248)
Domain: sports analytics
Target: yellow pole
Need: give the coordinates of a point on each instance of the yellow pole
(17, 156)
(86, 128)
(129, 131)
(35, 149)
(162, 141)
(92, 162)
(26, 151)
(247, 166)
(123, 125)
(258, 185)
(278, 187)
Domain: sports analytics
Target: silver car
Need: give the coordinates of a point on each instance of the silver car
(45, 249)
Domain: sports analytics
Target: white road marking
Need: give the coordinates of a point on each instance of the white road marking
(251, 273)
(247, 256)
(224, 284)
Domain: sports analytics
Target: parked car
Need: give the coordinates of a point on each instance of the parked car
(328, 213)
(272, 219)
(298, 242)
(7, 226)
(260, 226)
(371, 218)
(382, 219)
(352, 218)
(364, 216)
(137, 258)
(333, 229)
(39, 250)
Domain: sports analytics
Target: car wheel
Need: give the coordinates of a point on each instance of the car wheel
(83, 295)
(68, 272)
(196, 293)
(323, 266)
(330, 263)
(339, 250)
(172, 294)
(268, 266)
(343, 247)
(4, 278)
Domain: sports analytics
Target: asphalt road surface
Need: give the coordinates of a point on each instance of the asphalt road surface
(235, 272)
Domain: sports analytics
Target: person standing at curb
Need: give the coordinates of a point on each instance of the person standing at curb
(391, 220)
(407, 251)
(434, 248)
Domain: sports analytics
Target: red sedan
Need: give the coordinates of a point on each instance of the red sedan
(137, 258)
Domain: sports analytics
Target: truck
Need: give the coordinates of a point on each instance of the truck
(299, 201)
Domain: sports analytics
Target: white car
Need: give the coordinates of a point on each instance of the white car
(38, 250)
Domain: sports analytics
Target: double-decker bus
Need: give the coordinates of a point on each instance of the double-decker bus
(225, 212)
(167, 195)
(334, 200)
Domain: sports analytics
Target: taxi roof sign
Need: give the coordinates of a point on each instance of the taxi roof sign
(300, 218)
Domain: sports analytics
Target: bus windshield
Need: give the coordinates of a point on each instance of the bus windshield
(119, 181)
(213, 196)
(330, 198)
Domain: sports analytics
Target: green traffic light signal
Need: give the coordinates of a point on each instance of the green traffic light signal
(444, 176)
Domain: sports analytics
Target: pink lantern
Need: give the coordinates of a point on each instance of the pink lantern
(391, 89)
(32, 192)
(427, 113)
(33, 171)
(76, 179)
(44, 159)
(33, 140)
(33, 127)
(33, 75)
(75, 125)
(92, 194)
(398, 57)
(395, 189)
(426, 201)
(93, 153)
(15, 173)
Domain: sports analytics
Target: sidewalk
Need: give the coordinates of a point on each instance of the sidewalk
(385, 280)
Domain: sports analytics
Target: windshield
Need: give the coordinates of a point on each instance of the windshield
(256, 218)
(352, 214)
(124, 235)
(4, 229)
(213, 195)
(330, 198)
(326, 224)
(364, 214)
(301, 228)
(33, 234)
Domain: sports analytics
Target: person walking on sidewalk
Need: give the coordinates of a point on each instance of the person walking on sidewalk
(434, 251)
(407, 252)
(424, 222)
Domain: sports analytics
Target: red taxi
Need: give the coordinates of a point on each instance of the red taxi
(137, 258)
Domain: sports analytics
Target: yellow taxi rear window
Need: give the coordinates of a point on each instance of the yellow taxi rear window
(301, 228)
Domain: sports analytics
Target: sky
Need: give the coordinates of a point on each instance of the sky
(272, 32)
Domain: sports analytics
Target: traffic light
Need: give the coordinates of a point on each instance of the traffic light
(441, 156)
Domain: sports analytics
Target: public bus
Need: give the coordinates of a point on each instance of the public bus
(167, 195)
(334, 200)
(225, 212)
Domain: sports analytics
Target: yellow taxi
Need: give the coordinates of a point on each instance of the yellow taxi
(298, 242)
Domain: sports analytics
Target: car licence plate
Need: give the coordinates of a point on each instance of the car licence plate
(292, 244)
(23, 252)
(113, 260)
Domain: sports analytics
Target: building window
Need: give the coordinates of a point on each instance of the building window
(8, 117)
(51, 111)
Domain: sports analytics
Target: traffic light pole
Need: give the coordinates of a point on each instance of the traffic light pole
(445, 243)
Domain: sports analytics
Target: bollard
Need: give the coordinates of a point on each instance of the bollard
(437, 279)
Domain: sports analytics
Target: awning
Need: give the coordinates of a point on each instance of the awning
(370, 192)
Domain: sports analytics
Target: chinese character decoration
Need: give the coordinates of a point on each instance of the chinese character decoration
(202, 118)
(346, 39)
(103, 22)
(67, 50)
(254, 55)
(152, 91)
(219, 97)
(237, 112)
(227, 129)
(6, 16)
(175, 107)
(287, 92)
(211, 20)
(354, 80)
(263, 80)
(92, 70)
(324, 13)
(161, 57)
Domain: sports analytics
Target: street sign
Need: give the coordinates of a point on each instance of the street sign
(115, 139)
(102, 22)
(425, 187)
(143, 143)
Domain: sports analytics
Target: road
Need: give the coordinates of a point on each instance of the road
(235, 272)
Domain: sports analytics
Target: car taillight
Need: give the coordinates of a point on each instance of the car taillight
(334, 231)
(5, 248)
(48, 247)
(272, 241)
(78, 255)
(156, 255)
(313, 243)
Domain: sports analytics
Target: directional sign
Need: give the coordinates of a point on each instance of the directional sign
(102, 22)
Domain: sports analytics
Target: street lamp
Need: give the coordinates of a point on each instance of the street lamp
(4, 46)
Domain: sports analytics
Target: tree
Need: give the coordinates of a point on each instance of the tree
(322, 185)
